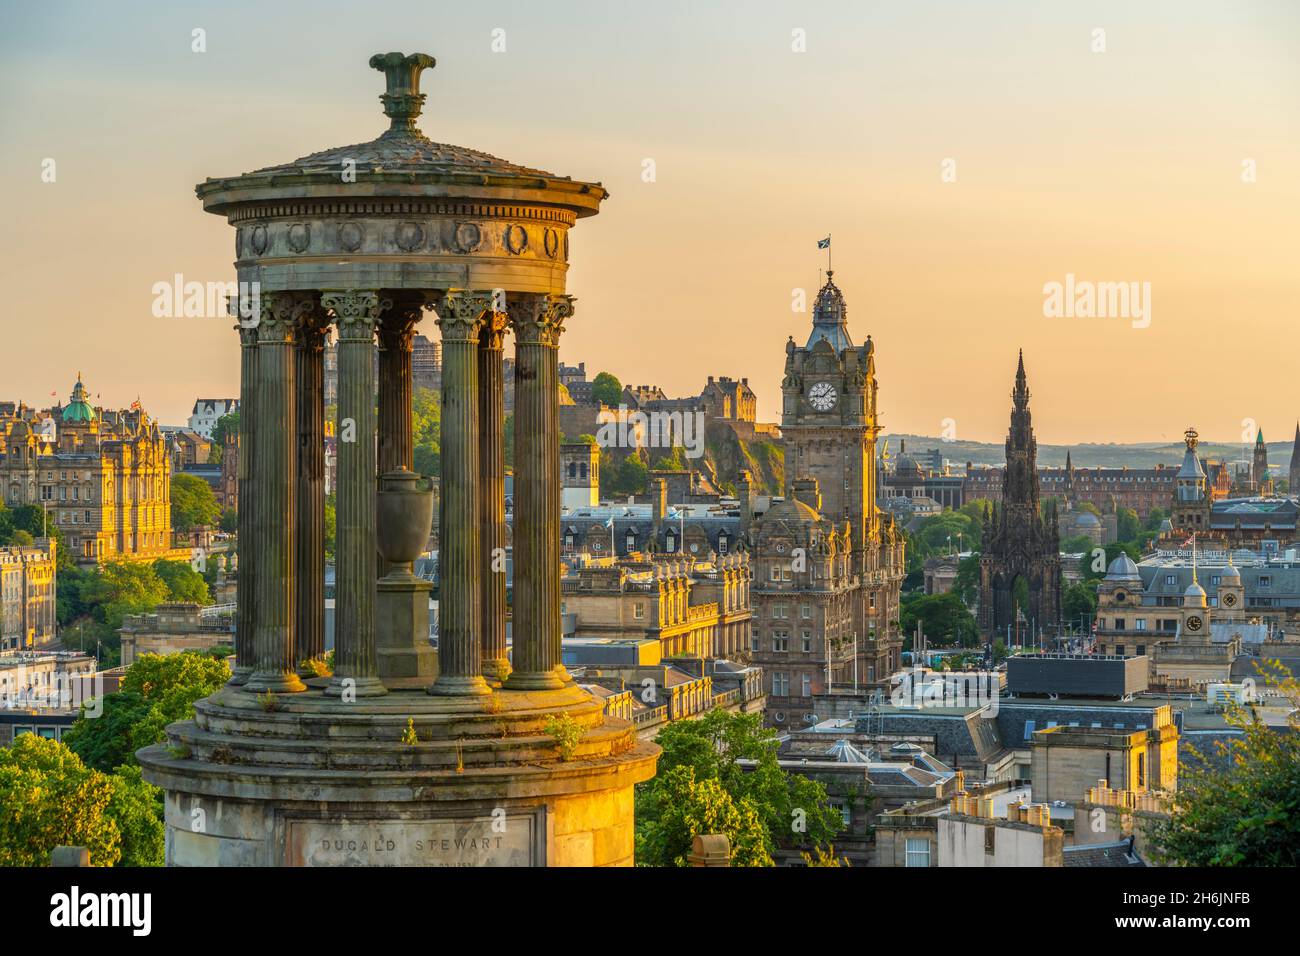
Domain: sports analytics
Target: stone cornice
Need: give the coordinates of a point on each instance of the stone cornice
(335, 208)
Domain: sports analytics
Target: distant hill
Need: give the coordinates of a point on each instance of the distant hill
(1139, 455)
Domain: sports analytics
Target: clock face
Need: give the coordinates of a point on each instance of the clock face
(1193, 623)
(822, 396)
(1229, 599)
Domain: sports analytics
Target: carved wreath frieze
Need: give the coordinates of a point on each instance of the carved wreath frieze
(516, 239)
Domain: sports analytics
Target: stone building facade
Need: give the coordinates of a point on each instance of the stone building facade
(27, 596)
(697, 610)
(828, 563)
(208, 411)
(104, 476)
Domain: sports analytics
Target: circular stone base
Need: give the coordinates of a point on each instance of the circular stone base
(517, 778)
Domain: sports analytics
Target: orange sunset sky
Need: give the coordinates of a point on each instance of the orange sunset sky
(1123, 165)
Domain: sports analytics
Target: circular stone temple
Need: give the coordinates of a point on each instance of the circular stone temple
(474, 754)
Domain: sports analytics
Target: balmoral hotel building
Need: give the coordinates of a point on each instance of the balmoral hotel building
(103, 476)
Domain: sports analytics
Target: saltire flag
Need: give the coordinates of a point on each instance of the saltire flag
(824, 243)
(609, 523)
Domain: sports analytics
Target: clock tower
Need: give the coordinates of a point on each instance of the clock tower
(828, 415)
(832, 624)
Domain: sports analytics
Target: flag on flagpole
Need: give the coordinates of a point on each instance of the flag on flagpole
(609, 523)
(824, 243)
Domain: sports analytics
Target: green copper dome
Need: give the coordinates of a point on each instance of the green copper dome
(78, 409)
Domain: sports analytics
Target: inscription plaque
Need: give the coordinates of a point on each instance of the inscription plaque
(507, 840)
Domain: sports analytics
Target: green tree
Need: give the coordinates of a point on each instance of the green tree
(967, 583)
(680, 807)
(193, 503)
(1242, 809)
(331, 525)
(974, 509)
(793, 810)
(626, 476)
(1077, 544)
(1092, 568)
(944, 619)
(606, 389)
(136, 806)
(226, 425)
(49, 798)
(1079, 602)
(426, 431)
(229, 521)
(155, 691)
(939, 534)
(182, 581)
(1127, 524)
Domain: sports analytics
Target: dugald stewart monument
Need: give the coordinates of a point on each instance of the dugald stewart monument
(401, 756)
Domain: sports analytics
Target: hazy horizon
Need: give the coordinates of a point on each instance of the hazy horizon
(1118, 166)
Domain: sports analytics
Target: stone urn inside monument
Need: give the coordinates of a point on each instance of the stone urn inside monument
(404, 518)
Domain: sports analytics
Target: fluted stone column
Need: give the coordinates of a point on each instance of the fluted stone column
(460, 316)
(246, 531)
(355, 673)
(276, 479)
(537, 321)
(396, 332)
(309, 355)
(403, 651)
(492, 496)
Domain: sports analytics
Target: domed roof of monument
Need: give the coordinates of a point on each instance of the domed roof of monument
(830, 317)
(1194, 593)
(1122, 569)
(402, 161)
(1087, 519)
(1230, 573)
(78, 409)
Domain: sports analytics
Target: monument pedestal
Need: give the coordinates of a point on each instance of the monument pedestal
(317, 782)
(402, 648)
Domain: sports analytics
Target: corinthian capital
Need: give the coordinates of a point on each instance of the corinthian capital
(355, 311)
(494, 330)
(281, 314)
(539, 319)
(461, 314)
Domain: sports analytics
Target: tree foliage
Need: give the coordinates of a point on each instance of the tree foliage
(193, 503)
(1242, 809)
(155, 691)
(49, 798)
(606, 389)
(426, 431)
(764, 806)
(944, 618)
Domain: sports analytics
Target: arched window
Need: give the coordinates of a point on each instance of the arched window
(670, 544)
(573, 469)
(631, 541)
(582, 470)
(722, 543)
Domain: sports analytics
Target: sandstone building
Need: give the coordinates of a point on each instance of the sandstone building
(104, 476)
(27, 596)
(828, 563)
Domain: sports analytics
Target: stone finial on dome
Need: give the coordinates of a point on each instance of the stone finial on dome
(403, 100)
